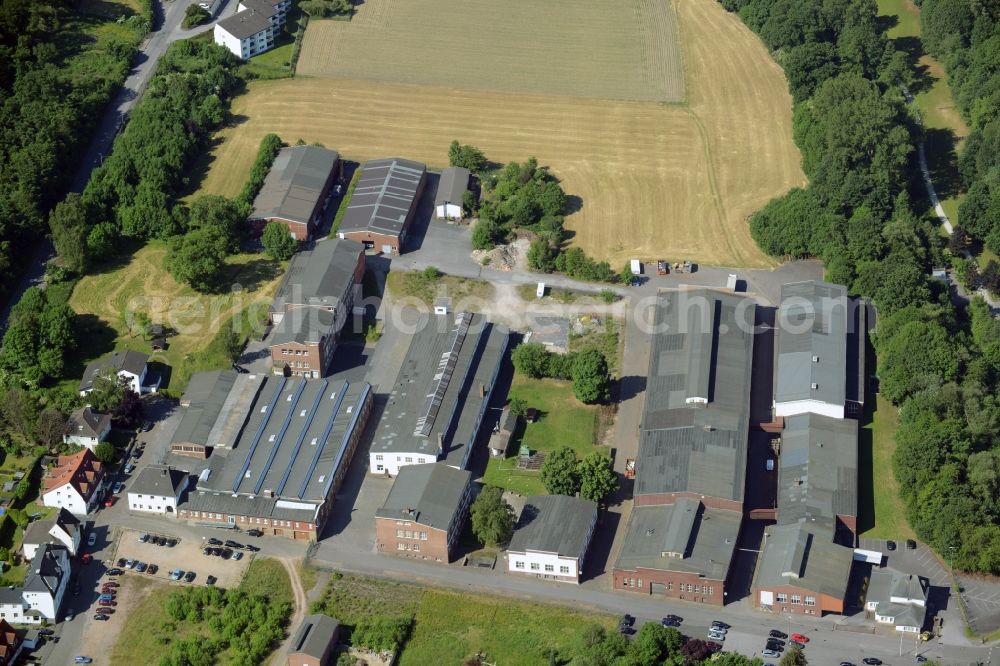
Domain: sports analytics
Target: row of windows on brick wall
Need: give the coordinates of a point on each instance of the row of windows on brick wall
(410, 534)
(408, 546)
(796, 599)
(563, 569)
(294, 352)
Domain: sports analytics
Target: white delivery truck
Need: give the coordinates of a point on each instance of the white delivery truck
(636, 267)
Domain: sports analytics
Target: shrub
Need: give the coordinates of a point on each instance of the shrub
(270, 146)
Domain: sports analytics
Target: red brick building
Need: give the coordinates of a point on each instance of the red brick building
(425, 512)
(296, 190)
(384, 204)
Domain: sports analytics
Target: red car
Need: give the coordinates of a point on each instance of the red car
(152, 569)
(800, 638)
(111, 583)
(86, 558)
(105, 610)
(109, 603)
(110, 502)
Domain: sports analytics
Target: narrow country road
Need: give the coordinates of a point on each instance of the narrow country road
(298, 612)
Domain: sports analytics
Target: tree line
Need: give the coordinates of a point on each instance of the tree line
(940, 364)
(56, 75)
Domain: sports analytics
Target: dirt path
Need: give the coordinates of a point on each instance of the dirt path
(298, 611)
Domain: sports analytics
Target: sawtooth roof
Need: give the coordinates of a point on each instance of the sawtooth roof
(384, 196)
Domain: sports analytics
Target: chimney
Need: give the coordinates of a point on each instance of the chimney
(440, 443)
(482, 390)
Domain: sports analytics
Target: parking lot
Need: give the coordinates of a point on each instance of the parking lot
(186, 555)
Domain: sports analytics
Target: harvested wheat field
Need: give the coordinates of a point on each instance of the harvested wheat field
(652, 179)
(591, 48)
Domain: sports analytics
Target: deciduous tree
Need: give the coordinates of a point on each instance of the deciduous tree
(492, 517)
(559, 472)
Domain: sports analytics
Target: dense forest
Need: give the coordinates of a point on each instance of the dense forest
(58, 69)
(939, 363)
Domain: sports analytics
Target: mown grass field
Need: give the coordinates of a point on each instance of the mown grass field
(449, 627)
(563, 421)
(143, 284)
(890, 512)
(624, 50)
(647, 180)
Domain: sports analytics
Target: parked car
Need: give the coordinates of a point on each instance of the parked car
(176, 574)
(102, 617)
(152, 569)
(130, 564)
(86, 558)
(112, 583)
(109, 502)
(254, 549)
(921, 658)
(255, 533)
(872, 661)
(214, 542)
(106, 597)
(92, 539)
(46, 631)
(226, 553)
(82, 660)
(141, 567)
(626, 630)
(720, 623)
(143, 538)
(171, 543)
(117, 488)
(160, 541)
(770, 654)
(667, 622)
(107, 610)
(114, 572)
(890, 545)
(776, 646)
(713, 647)
(774, 633)
(716, 636)
(112, 602)
(911, 544)
(796, 644)
(122, 561)
(233, 544)
(626, 621)
(146, 426)
(211, 580)
(129, 468)
(237, 555)
(801, 638)
(189, 576)
(846, 663)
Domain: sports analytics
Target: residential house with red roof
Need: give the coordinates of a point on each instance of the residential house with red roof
(10, 644)
(74, 483)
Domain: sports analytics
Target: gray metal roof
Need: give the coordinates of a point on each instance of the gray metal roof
(429, 494)
(319, 276)
(45, 571)
(294, 187)
(818, 471)
(384, 195)
(885, 584)
(85, 422)
(205, 398)
(38, 531)
(126, 360)
(292, 442)
(314, 636)
(459, 403)
(250, 21)
(696, 418)
(554, 524)
(812, 343)
(452, 186)
(159, 480)
(304, 325)
(711, 542)
(796, 555)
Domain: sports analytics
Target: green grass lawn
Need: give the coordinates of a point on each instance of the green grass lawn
(418, 285)
(881, 491)
(450, 627)
(141, 283)
(268, 577)
(563, 421)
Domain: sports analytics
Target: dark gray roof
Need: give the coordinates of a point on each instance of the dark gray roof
(205, 397)
(796, 555)
(429, 494)
(654, 536)
(292, 442)
(126, 360)
(884, 585)
(45, 572)
(159, 480)
(694, 429)
(294, 187)
(251, 20)
(38, 531)
(460, 404)
(454, 183)
(304, 325)
(319, 276)
(314, 636)
(812, 343)
(554, 524)
(818, 471)
(85, 422)
(384, 195)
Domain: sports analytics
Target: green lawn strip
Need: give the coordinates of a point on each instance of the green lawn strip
(268, 577)
(563, 421)
(890, 511)
(342, 209)
(449, 627)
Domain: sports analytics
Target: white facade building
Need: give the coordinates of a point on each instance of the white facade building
(74, 483)
(45, 584)
(254, 27)
(389, 463)
(552, 538)
(898, 599)
(126, 364)
(157, 489)
(64, 529)
(85, 427)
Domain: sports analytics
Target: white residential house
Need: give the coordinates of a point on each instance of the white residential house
(125, 363)
(45, 585)
(552, 538)
(85, 427)
(157, 489)
(63, 529)
(253, 28)
(74, 483)
(898, 599)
